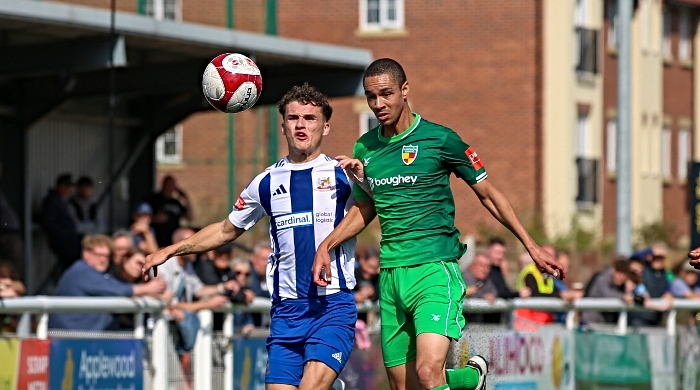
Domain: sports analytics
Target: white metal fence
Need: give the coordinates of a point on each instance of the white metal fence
(160, 340)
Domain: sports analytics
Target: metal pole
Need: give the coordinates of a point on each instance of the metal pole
(203, 351)
(112, 107)
(228, 355)
(159, 354)
(623, 197)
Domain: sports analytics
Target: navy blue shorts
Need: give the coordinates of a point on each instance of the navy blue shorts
(321, 329)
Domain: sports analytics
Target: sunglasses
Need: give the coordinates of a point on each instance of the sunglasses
(242, 273)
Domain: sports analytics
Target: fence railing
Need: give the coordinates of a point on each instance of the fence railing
(42, 306)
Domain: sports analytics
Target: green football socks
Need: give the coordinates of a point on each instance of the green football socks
(466, 378)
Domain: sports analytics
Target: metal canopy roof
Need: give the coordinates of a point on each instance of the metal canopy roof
(64, 51)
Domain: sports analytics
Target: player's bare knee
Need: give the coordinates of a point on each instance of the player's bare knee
(430, 375)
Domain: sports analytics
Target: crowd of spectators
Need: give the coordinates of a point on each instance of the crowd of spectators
(90, 263)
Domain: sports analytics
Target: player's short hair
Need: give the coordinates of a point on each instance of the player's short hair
(306, 94)
(92, 241)
(496, 241)
(386, 66)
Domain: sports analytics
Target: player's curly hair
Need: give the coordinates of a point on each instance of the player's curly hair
(386, 66)
(306, 94)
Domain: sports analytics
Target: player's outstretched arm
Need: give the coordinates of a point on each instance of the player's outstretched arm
(211, 237)
(358, 217)
(499, 206)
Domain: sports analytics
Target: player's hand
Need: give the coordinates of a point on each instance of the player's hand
(153, 261)
(353, 167)
(547, 263)
(695, 257)
(322, 268)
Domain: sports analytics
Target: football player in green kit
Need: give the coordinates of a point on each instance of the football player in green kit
(407, 163)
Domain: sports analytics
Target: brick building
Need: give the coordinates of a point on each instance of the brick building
(530, 84)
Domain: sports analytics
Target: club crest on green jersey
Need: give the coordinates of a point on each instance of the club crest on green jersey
(409, 153)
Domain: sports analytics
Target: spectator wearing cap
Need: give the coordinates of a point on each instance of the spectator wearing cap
(87, 277)
(141, 230)
(84, 210)
(60, 227)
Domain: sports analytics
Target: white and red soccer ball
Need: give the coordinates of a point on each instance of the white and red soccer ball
(232, 83)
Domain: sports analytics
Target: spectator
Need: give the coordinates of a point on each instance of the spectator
(640, 296)
(123, 245)
(685, 285)
(87, 277)
(258, 280)
(11, 245)
(83, 210)
(656, 282)
(190, 295)
(10, 287)
(169, 206)
(186, 287)
(62, 233)
(242, 321)
(477, 277)
(610, 283)
(367, 281)
(258, 262)
(217, 269)
(143, 233)
(540, 285)
(130, 272)
(496, 252)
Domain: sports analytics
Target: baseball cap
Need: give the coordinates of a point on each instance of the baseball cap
(688, 267)
(143, 208)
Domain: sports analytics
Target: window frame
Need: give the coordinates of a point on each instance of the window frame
(157, 9)
(611, 151)
(612, 25)
(685, 50)
(666, 153)
(365, 118)
(384, 23)
(666, 49)
(161, 157)
(683, 153)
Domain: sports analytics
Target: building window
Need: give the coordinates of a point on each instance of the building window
(164, 9)
(684, 32)
(666, 44)
(587, 51)
(381, 15)
(612, 24)
(666, 153)
(611, 152)
(587, 167)
(683, 153)
(169, 146)
(580, 13)
(367, 122)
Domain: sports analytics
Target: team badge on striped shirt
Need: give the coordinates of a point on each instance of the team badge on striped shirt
(409, 153)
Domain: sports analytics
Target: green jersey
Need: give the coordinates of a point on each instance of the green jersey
(409, 177)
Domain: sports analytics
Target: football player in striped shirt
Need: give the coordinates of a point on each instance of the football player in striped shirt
(305, 195)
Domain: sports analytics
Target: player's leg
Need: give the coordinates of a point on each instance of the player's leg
(403, 377)
(285, 347)
(317, 375)
(436, 301)
(397, 333)
(329, 340)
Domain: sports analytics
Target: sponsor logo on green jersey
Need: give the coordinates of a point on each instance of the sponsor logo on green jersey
(391, 181)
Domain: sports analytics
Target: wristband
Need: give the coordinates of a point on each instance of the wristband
(220, 287)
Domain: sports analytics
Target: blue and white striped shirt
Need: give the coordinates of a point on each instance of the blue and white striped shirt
(305, 202)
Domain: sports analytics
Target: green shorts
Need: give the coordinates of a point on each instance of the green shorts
(424, 298)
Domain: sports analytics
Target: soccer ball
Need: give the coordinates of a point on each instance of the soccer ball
(232, 83)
